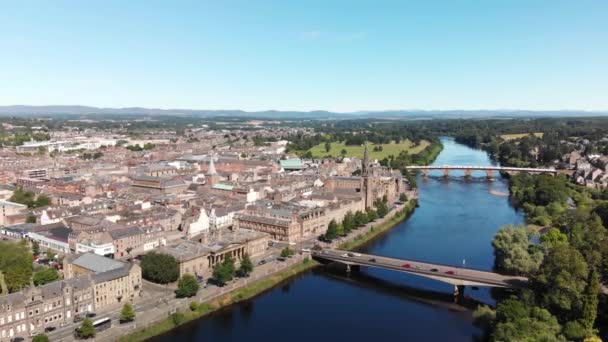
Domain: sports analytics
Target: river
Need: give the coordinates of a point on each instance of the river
(455, 223)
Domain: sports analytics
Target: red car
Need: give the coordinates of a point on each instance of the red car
(407, 266)
(450, 272)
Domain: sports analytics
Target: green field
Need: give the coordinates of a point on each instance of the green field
(519, 135)
(357, 151)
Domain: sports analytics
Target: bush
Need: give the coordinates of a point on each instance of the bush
(194, 306)
(177, 318)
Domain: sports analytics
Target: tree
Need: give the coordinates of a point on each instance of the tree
(553, 238)
(45, 276)
(403, 197)
(602, 211)
(381, 208)
(514, 251)
(42, 201)
(561, 282)
(187, 286)
(246, 266)
(159, 268)
(16, 264)
(343, 152)
(590, 302)
(332, 230)
(518, 322)
(40, 338)
(86, 329)
(484, 316)
(224, 272)
(348, 223)
(127, 314)
(30, 219)
(35, 248)
(371, 215)
(327, 146)
(361, 219)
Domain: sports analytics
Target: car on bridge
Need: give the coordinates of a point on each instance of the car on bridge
(407, 266)
(450, 272)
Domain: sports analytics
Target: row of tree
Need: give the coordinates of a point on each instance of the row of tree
(352, 221)
(565, 262)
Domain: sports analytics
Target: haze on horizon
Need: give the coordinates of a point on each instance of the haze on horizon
(341, 56)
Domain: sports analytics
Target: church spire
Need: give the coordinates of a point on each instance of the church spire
(365, 165)
(211, 170)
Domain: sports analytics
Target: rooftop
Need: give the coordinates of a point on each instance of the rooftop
(97, 263)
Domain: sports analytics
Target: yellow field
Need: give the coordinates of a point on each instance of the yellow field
(519, 135)
(357, 151)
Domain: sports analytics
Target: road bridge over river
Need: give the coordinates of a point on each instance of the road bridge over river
(489, 170)
(457, 276)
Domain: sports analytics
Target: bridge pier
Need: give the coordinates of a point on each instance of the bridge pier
(446, 173)
(468, 173)
(352, 268)
(490, 174)
(425, 173)
(458, 292)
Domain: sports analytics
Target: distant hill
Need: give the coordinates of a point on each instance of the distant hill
(23, 110)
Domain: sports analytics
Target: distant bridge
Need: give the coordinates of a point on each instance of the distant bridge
(489, 170)
(457, 276)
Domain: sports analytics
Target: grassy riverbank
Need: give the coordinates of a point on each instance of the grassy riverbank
(203, 309)
(376, 231)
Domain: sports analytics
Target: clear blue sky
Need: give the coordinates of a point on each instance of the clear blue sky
(305, 55)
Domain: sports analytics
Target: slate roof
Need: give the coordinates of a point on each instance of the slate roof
(97, 263)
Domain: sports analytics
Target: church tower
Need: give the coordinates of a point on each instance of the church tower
(367, 186)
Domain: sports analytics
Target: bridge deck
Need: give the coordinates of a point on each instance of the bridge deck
(473, 167)
(460, 276)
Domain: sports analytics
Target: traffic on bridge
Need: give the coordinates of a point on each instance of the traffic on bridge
(457, 276)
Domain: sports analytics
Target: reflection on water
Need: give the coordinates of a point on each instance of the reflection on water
(454, 224)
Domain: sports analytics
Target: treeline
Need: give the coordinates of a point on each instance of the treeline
(565, 256)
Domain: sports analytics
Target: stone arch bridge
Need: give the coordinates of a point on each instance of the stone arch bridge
(489, 170)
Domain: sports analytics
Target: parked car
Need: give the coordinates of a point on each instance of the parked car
(17, 339)
(91, 314)
(262, 262)
(306, 250)
(49, 329)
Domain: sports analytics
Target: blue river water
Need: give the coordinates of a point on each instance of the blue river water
(454, 224)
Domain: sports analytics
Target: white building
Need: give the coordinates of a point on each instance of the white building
(200, 225)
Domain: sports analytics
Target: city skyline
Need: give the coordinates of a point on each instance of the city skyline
(335, 56)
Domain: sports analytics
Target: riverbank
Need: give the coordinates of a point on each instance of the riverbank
(200, 309)
(376, 231)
